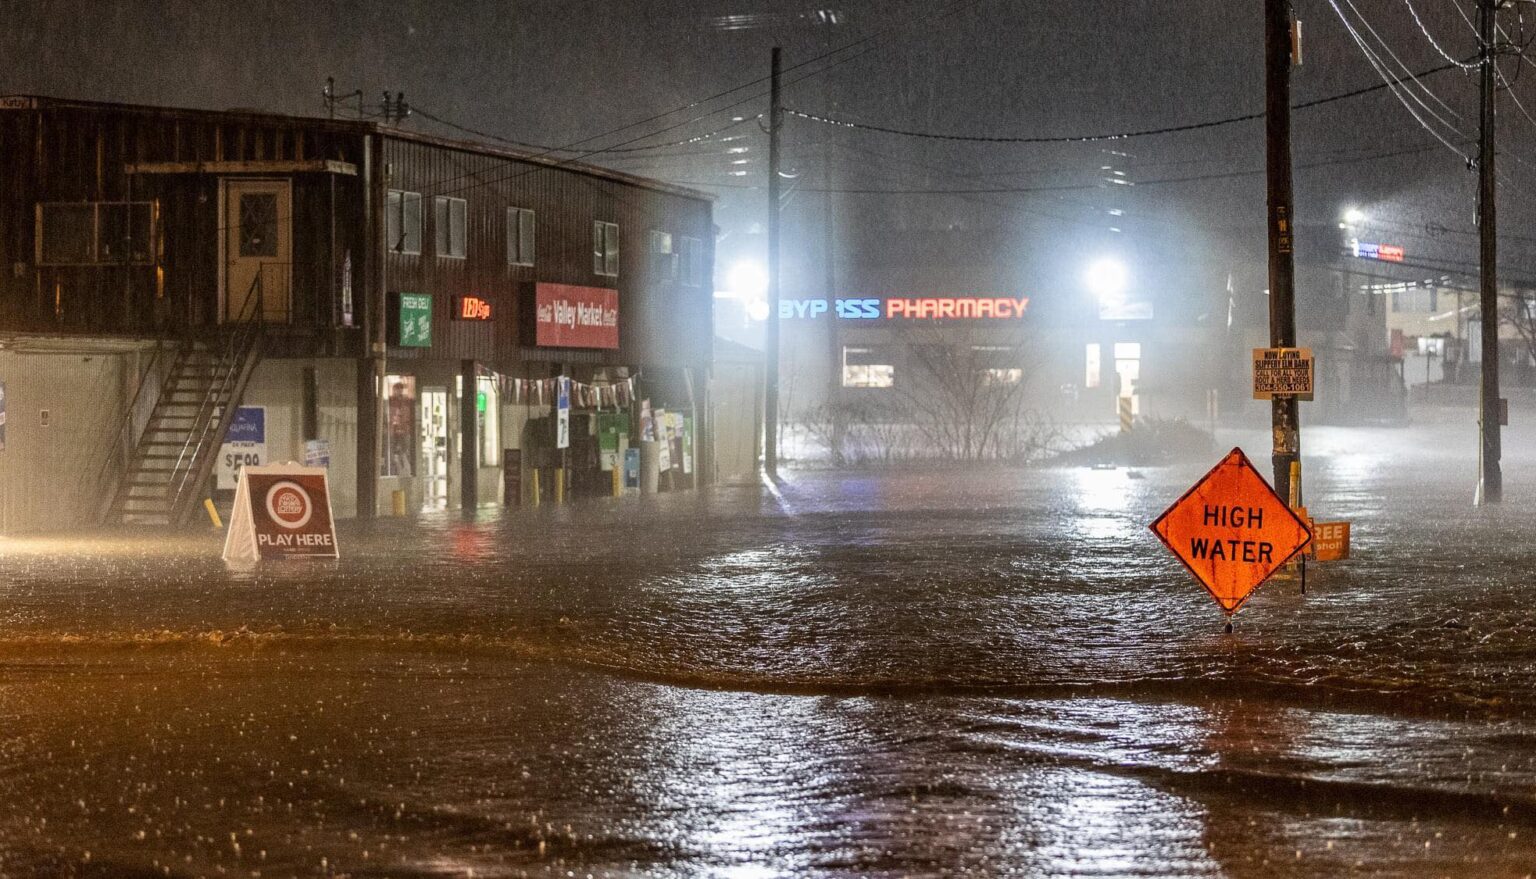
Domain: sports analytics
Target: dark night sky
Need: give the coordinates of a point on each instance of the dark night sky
(554, 71)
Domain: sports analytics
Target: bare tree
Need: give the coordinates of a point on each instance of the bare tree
(964, 392)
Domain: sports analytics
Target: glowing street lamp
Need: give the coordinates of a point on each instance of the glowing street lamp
(1107, 278)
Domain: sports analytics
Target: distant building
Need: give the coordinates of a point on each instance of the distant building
(403, 304)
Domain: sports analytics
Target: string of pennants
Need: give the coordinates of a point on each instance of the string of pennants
(543, 391)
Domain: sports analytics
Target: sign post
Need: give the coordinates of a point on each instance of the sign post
(281, 511)
(563, 414)
(245, 445)
(1232, 531)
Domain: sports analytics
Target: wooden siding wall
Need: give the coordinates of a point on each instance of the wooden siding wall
(78, 153)
(660, 322)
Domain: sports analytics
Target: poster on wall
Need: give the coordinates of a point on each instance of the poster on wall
(563, 414)
(664, 439)
(317, 453)
(647, 422)
(2, 416)
(281, 512)
(244, 445)
(688, 445)
(610, 426)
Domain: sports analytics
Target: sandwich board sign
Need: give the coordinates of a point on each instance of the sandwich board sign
(1232, 531)
(282, 511)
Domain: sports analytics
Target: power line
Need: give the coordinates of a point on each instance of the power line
(1464, 65)
(1110, 136)
(1379, 67)
(552, 149)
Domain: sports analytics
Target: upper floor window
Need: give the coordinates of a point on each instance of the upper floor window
(692, 255)
(96, 233)
(605, 249)
(402, 222)
(520, 237)
(450, 216)
(663, 256)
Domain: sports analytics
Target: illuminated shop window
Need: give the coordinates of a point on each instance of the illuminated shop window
(867, 368)
(1002, 375)
(1091, 379)
(488, 416)
(400, 438)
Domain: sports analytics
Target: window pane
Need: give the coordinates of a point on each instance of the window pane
(525, 237)
(458, 221)
(258, 224)
(411, 218)
(69, 233)
(392, 209)
(598, 263)
(611, 264)
(440, 226)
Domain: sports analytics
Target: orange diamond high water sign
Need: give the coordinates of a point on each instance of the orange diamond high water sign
(1232, 531)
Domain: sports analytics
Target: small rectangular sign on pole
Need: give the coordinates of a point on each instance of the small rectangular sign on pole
(1282, 372)
(282, 511)
(1330, 541)
(563, 414)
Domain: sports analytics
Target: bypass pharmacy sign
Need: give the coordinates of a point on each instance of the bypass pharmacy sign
(281, 512)
(1232, 531)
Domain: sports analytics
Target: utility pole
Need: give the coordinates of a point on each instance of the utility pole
(1491, 481)
(771, 369)
(1282, 268)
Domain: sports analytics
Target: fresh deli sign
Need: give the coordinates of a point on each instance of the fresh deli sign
(567, 316)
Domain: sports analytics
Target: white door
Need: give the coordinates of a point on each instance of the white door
(257, 244)
(434, 448)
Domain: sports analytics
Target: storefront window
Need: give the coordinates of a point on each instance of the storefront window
(488, 414)
(400, 438)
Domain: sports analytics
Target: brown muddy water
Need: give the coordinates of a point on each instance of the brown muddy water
(890, 674)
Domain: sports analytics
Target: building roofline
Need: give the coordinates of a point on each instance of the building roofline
(358, 127)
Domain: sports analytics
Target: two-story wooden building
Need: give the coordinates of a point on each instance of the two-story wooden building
(182, 290)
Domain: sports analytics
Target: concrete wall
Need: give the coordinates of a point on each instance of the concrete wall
(279, 386)
(49, 473)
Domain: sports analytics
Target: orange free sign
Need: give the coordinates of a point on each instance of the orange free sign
(1232, 531)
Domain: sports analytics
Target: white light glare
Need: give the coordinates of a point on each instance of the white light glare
(1106, 278)
(748, 280)
(1354, 216)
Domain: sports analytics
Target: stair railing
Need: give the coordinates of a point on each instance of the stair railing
(114, 450)
(237, 345)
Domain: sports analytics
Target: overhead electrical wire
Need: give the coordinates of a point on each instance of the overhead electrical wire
(525, 144)
(1379, 67)
(1108, 136)
(1464, 65)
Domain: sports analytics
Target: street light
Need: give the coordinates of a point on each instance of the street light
(1106, 279)
(1354, 217)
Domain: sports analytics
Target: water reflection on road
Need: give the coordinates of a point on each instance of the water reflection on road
(886, 674)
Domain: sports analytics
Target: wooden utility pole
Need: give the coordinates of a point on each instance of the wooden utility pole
(1491, 478)
(1282, 269)
(771, 343)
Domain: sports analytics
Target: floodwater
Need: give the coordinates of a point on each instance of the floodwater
(933, 673)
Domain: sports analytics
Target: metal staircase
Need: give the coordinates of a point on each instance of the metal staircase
(165, 475)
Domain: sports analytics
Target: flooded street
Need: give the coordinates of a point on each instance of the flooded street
(887, 674)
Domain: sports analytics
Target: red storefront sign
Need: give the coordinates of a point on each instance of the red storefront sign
(567, 316)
